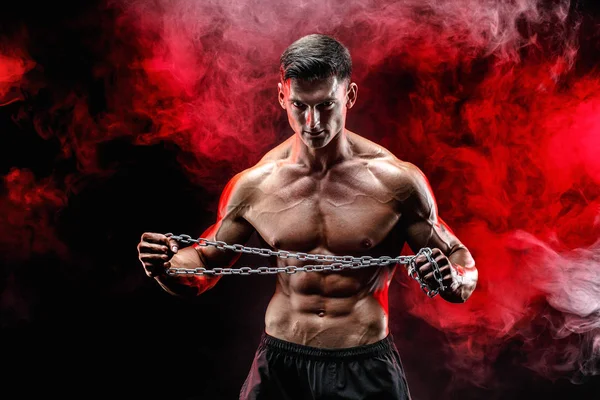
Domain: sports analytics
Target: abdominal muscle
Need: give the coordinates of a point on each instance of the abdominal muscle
(330, 309)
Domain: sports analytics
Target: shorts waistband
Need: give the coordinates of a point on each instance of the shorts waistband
(385, 345)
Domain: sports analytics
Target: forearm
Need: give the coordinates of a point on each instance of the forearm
(182, 285)
(464, 266)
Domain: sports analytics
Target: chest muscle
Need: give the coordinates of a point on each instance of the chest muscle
(338, 216)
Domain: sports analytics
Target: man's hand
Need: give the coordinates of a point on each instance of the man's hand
(155, 251)
(450, 275)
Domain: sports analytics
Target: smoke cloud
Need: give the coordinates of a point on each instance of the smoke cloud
(496, 101)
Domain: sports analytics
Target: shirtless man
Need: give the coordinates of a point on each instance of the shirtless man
(324, 190)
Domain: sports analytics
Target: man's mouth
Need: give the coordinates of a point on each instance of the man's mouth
(317, 133)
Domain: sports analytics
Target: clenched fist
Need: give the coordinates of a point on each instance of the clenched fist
(425, 270)
(155, 251)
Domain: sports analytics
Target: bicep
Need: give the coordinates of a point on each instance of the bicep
(432, 233)
(422, 225)
(231, 226)
(234, 230)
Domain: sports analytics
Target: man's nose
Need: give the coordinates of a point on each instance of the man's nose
(312, 117)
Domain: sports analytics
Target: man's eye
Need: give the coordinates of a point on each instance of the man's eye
(327, 104)
(297, 104)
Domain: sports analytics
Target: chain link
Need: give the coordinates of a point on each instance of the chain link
(336, 263)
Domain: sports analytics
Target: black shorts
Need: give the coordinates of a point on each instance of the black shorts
(288, 371)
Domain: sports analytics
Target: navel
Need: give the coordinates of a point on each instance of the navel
(321, 313)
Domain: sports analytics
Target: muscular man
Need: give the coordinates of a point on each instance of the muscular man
(324, 190)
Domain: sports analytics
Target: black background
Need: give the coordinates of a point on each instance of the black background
(96, 326)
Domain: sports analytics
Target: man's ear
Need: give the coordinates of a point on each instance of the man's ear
(281, 95)
(351, 94)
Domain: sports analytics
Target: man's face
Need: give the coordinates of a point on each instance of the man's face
(317, 110)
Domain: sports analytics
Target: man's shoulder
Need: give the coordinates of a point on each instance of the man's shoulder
(250, 178)
(375, 153)
(394, 173)
(397, 174)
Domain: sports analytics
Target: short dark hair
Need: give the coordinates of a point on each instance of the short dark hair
(315, 57)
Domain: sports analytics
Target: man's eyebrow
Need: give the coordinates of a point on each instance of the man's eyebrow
(292, 99)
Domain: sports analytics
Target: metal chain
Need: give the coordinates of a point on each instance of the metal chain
(336, 263)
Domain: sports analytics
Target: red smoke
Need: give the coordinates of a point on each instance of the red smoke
(27, 217)
(14, 64)
(486, 97)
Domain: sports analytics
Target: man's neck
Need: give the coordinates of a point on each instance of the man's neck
(320, 160)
